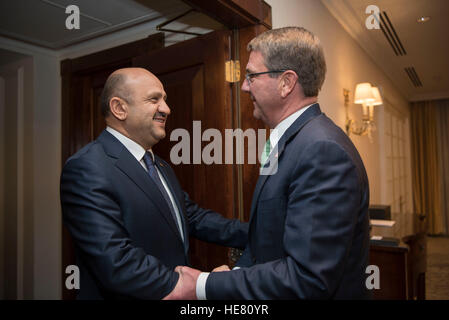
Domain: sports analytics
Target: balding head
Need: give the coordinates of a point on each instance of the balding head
(119, 84)
(133, 102)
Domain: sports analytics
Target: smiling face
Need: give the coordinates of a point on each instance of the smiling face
(145, 112)
(263, 90)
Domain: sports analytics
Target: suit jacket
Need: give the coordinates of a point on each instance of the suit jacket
(309, 225)
(126, 240)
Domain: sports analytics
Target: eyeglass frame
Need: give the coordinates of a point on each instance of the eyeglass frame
(250, 76)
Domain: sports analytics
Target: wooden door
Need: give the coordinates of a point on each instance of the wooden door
(193, 75)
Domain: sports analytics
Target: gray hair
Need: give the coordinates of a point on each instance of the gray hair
(115, 86)
(293, 48)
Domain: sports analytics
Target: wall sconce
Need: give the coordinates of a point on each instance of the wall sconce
(368, 97)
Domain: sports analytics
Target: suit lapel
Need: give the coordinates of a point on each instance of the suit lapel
(275, 155)
(134, 170)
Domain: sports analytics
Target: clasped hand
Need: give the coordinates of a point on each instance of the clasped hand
(185, 288)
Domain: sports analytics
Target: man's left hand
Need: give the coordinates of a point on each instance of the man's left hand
(185, 288)
(221, 268)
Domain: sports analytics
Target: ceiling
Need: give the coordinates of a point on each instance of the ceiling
(426, 45)
(43, 22)
(421, 71)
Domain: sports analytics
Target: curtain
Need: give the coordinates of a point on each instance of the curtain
(430, 158)
(425, 162)
(442, 108)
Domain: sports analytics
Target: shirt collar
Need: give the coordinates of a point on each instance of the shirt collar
(133, 147)
(282, 126)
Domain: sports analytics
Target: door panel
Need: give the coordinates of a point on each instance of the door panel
(179, 87)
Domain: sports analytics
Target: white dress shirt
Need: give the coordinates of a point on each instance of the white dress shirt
(138, 152)
(282, 126)
(275, 136)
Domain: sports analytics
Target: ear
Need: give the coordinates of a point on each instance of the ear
(288, 82)
(118, 108)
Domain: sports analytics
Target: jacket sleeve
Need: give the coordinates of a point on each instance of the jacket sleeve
(211, 226)
(94, 220)
(323, 201)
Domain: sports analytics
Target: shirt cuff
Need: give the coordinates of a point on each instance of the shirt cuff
(235, 268)
(201, 285)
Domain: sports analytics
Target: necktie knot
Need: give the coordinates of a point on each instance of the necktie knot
(265, 153)
(148, 159)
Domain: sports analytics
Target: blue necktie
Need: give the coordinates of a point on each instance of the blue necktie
(148, 159)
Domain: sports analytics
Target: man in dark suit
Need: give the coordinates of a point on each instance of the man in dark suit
(309, 225)
(128, 216)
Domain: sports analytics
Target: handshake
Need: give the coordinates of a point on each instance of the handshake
(185, 288)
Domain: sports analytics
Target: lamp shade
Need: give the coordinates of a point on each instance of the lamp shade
(364, 94)
(377, 97)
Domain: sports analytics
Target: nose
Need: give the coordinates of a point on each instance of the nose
(164, 108)
(245, 85)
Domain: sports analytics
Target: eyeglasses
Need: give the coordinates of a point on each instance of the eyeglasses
(250, 76)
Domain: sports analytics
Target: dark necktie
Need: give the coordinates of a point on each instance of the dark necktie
(148, 159)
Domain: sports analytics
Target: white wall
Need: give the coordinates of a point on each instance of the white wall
(17, 198)
(47, 168)
(347, 65)
(40, 162)
(2, 174)
(10, 181)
